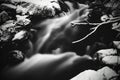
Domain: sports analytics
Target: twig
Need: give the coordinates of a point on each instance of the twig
(94, 24)
(112, 20)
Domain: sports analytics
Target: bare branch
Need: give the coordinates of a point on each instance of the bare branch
(112, 20)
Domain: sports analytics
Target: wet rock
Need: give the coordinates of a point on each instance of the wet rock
(116, 26)
(111, 60)
(7, 30)
(6, 6)
(88, 75)
(116, 44)
(22, 35)
(23, 20)
(106, 52)
(38, 7)
(15, 57)
(108, 73)
(4, 17)
(105, 73)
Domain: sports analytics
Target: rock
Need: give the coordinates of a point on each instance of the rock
(106, 52)
(111, 60)
(5, 6)
(116, 26)
(88, 75)
(116, 44)
(23, 20)
(15, 57)
(7, 30)
(4, 17)
(105, 73)
(38, 7)
(20, 35)
(108, 73)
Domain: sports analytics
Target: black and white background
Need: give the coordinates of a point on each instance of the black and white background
(59, 39)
